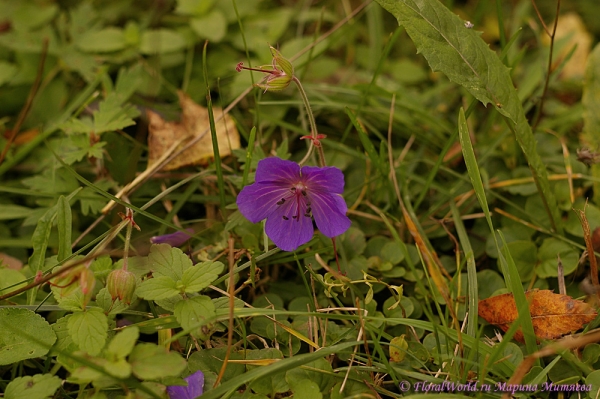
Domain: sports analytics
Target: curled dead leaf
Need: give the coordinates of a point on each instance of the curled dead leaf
(553, 315)
(194, 121)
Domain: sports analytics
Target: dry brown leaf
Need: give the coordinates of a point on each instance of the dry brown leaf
(194, 121)
(553, 315)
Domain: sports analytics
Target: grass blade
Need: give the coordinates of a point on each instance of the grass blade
(508, 267)
(460, 53)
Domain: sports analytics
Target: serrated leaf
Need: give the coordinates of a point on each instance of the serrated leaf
(77, 146)
(150, 362)
(39, 386)
(193, 313)
(63, 341)
(23, 335)
(201, 276)
(110, 307)
(113, 114)
(168, 261)
(89, 330)
(158, 288)
(461, 54)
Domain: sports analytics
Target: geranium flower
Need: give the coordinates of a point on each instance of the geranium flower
(194, 388)
(289, 197)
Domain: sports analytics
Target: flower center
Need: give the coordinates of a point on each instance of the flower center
(300, 206)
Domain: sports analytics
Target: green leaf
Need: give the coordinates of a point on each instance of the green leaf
(212, 26)
(39, 386)
(168, 261)
(547, 255)
(158, 288)
(65, 222)
(201, 276)
(461, 54)
(10, 211)
(11, 278)
(7, 71)
(269, 384)
(194, 7)
(151, 362)
(104, 300)
(23, 335)
(63, 341)
(305, 389)
(194, 313)
(102, 41)
(113, 115)
(89, 330)
(77, 146)
(161, 41)
(122, 344)
(318, 371)
(39, 239)
(591, 113)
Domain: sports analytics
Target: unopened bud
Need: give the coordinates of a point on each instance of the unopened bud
(283, 63)
(121, 284)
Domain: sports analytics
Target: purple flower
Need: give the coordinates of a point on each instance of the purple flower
(194, 388)
(174, 239)
(289, 197)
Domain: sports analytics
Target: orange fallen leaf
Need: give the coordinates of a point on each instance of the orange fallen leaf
(553, 315)
(194, 121)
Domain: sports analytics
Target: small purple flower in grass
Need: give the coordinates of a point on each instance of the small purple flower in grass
(289, 197)
(174, 239)
(194, 388)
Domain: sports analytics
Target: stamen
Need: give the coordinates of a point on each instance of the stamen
(295, 217)
(281, 201)
(293, 189)
(307, 215)
(286, 218)
(309, 209)
(303, 193)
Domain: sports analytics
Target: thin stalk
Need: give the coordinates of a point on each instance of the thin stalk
(313, 126)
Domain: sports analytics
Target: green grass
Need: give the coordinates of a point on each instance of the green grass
(458, 147)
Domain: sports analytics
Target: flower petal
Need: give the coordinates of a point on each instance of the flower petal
(288, 234)
(329, 211)
(257, 201)
(194, 389)
(178, 392)
(328, 179)
(174, 239)
(277, 170)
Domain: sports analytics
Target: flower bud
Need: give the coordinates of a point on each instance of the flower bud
(282, 63)
(281, 74)
(121, 284)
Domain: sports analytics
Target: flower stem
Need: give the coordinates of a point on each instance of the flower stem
(312, 123)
